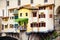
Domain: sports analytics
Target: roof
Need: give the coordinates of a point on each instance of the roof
(29, 6)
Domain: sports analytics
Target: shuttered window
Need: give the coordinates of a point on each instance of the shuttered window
(34, 14)
(42, 15)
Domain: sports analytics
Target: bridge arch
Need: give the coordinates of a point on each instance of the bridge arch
(58, 10)
(7, 38)
(11, 35)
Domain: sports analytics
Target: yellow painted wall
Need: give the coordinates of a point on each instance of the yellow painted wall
(24, 11)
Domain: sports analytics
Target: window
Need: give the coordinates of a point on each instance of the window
(3, 12)
(6, 26)
(39, 16)
(2, 27)
(39, 24)
(18, 2)
(11, 26)
(31, 25)
(42, 24)
(26, 14)
(50, 15)
(7, 3)
(50, 7)
(16, 17)
(45, 1)
(12, 17)
(16, 25)
(31, 1)
(34, 24)
(34, 14)
(42, 15)
(20, 14)
(11, 11)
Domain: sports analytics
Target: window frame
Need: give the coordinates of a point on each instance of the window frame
(34, 14)
(6, 26)
(7, 3)
(42, 24)
(3, 12)
(34, 24)
(19, 2)
(31, 1)
(42, 15)
(11, 25)
(50, 15)
(2, 27)
(45, 1)
(20, 14)
(26, 14)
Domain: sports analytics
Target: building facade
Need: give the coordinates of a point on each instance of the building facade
(44, 7)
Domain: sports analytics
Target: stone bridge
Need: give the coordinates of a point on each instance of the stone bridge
(18, 36)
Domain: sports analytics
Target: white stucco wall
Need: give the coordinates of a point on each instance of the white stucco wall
(47, 20)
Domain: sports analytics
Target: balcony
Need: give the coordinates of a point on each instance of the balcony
(15, 12)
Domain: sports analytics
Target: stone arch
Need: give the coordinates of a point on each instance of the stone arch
(58, 10)
(7, 38)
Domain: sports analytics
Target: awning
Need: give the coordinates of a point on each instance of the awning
(21, 19)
